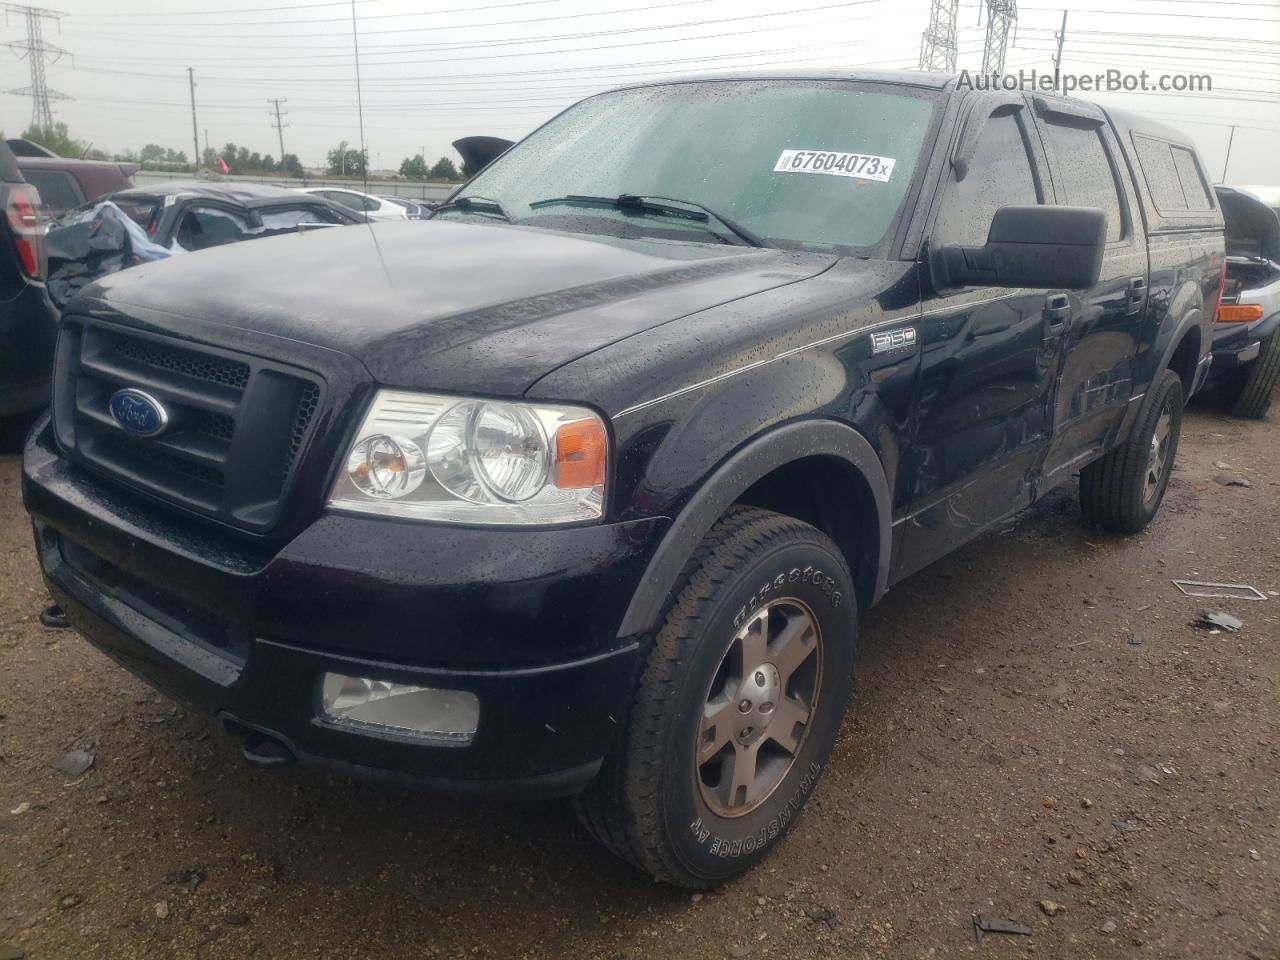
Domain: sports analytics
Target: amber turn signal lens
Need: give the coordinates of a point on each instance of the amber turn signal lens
(580, 452)
(1239, 313)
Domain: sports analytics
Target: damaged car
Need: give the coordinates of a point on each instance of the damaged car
(159, 220)
(1246, 347)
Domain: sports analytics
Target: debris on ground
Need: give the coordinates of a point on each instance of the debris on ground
(20, 809)
(162, 909)
(54, 617)
(1051, 908)
(984, 923)
(1218, 620)
(1219, 591)
(74, 764)
(1124, 826)
(1232, 480)
(1109, 926)
(188, 877)
(11, 951)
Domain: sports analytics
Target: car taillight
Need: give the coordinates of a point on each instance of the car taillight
(1239, 312)
(23, 213)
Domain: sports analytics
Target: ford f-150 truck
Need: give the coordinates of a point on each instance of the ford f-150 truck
(579, 487)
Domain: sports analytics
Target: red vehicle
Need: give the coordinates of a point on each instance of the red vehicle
(66, 183)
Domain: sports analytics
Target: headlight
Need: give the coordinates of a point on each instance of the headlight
(433, 457)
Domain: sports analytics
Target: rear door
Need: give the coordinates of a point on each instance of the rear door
(1105, 329)
(989, 356)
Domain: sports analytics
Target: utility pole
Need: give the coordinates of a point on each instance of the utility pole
(195, 128)
(206, 139)
(1227, 162)
(938, 42)
(1062, 38)
(38, 52)
(278, 125)
(1003, 14)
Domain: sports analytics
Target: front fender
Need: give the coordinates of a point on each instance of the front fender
(780, 446)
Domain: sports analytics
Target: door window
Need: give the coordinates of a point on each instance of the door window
(1161, 175)
(58, 191)
(347, 199)
(204, 227)
(1194, 186)
(1084, 172)
(999, 176)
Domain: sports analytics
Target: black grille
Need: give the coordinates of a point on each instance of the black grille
(307, 407)
(237, 424)
(230, 373)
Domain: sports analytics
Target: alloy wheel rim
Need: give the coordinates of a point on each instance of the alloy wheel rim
(1158, 455)
(757, 711)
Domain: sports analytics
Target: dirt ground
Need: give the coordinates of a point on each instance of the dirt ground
(1035, 719)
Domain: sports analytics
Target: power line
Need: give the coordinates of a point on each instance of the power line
(146, 16)
(481, 44)
(534, 53)
(1162, 13)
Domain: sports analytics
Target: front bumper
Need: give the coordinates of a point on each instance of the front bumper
(526, 620)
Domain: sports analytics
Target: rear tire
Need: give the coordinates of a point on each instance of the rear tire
(738, 705)
(1123, 490)
(1259, 383)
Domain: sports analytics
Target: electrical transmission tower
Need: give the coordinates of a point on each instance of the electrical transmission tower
(1002, 15)
(38, 52)
(938, 42)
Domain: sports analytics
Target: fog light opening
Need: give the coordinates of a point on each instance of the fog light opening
(379, 706)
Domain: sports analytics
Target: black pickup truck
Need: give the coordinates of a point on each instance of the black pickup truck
(27, 316)
(579, 487)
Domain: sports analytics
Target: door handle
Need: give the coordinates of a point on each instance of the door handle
(1057, 313)
(1135, 294)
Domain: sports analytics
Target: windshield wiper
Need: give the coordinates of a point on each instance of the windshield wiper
(646, 203)
(478, 204)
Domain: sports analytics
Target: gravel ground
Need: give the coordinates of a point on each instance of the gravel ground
(1038, 732)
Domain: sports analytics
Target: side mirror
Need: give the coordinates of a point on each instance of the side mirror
(1040, 247)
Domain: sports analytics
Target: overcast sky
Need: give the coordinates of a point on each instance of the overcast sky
(434, 72)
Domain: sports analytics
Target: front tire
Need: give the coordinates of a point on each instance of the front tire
(1124, 490)
(738, 706)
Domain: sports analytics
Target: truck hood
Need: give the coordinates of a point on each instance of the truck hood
(1253, 227)
(452, 305)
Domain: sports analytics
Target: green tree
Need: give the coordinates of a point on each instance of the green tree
(290, 165)
(209, 158)
(415, 168)
(151, 153)
(444, 170)
(350, 162)
(55, 138)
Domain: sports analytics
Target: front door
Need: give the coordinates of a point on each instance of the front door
(989, 361)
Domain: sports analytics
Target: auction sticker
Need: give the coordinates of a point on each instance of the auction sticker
(861, 166)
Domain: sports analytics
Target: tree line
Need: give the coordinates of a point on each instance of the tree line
(238, 158)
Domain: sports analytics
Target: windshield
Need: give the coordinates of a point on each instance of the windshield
(817, 164)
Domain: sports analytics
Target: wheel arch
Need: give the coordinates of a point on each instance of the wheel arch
(1180, 345)
(812, 452)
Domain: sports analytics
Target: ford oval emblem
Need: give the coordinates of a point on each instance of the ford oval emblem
(138, 413)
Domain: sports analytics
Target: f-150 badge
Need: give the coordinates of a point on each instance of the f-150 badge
(893, 339)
